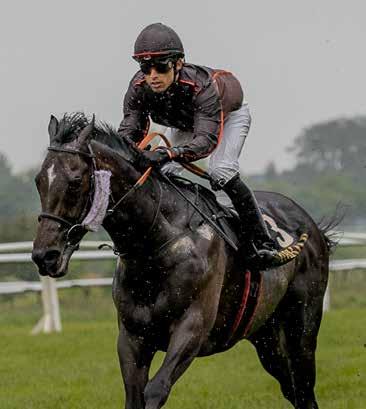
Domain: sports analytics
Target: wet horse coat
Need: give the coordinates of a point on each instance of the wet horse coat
(178, 287)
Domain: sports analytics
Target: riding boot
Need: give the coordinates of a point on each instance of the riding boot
(253, 228)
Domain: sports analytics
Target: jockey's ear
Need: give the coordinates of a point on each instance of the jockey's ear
(52, 128)
(179, 64)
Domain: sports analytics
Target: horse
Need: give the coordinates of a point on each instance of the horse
(178, 286)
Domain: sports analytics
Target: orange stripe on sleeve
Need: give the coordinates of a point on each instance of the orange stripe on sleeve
(221, 127)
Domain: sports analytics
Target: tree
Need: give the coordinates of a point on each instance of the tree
(336, 145)
(330, 169)
(18, 203)
(271, 171)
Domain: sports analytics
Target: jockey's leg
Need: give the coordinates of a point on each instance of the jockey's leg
(224, 171)
(253, 225)
(224, 160)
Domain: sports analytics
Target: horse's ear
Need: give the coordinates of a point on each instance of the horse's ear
(86, 133)
(53, 128)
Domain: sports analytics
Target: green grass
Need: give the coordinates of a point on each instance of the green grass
(79, 369)
(344, 252)
(348, 289)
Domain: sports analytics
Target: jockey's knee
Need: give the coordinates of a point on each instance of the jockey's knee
(220, 175)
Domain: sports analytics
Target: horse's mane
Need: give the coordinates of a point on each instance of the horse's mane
(71, 125)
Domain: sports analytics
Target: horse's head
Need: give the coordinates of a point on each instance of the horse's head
(64, 184)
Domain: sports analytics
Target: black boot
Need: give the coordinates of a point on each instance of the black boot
(262, 247)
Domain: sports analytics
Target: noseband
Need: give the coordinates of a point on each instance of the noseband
(74, 227)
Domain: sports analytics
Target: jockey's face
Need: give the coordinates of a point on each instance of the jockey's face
(160, 81)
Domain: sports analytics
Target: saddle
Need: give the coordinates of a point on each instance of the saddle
(225, 217)
(283, 227)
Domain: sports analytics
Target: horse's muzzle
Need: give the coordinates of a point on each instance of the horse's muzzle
(47, 261)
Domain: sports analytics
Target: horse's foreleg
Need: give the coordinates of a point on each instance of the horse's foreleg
(135, 359)
(184, 345)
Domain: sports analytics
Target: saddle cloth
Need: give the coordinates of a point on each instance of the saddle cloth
(282, 224)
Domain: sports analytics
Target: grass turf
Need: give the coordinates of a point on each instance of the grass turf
(79, 369)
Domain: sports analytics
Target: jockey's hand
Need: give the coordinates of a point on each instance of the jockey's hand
(155, 159)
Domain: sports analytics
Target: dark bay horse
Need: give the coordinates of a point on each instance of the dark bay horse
(178, 287)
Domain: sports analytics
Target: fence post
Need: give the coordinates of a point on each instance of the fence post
(326, 300)
(50, 320)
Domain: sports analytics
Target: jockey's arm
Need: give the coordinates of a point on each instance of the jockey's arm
(208, 124)
(135, 122)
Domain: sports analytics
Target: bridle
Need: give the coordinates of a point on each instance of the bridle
(75, 231)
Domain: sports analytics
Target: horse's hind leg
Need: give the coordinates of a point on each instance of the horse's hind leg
(270, 344)
(301, 328)
(286, 348)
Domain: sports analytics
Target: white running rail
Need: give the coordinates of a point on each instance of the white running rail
(51, 321)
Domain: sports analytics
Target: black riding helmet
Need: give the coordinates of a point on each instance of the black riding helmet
(158, 40)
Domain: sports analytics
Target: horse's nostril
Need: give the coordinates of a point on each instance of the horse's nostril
(45, 257)
(51, 256)
(37, 256)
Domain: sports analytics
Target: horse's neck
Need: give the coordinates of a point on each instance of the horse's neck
(130, 227)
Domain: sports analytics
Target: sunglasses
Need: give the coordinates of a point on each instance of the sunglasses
(161, 67)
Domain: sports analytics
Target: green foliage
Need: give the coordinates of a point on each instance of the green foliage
(331, 170)
(334, 145)
(19, 204)
(17, 192)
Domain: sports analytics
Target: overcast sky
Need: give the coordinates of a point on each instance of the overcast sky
(299, 62)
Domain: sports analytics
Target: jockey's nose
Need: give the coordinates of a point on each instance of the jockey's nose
(46, 259)
(153, 73)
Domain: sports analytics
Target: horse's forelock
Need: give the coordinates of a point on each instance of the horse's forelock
(69, 128)
(71, 124)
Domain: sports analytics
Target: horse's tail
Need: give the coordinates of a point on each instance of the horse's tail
(327, 227)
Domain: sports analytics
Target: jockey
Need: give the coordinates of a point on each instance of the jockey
(206, 115)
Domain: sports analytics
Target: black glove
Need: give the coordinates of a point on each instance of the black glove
(155, 159)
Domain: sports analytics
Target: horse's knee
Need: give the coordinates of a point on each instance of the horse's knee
(156, 393)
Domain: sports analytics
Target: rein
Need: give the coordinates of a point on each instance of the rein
(76, 231)
(190, 167)
(142, 145)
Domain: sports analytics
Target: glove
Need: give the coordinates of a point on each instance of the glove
(155, 159)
